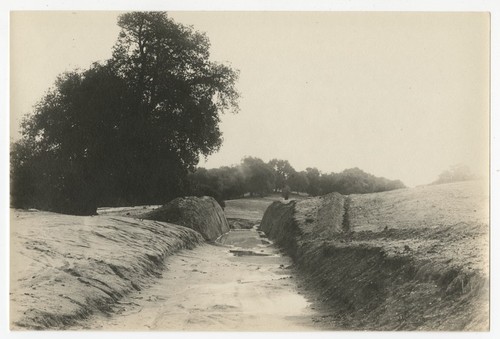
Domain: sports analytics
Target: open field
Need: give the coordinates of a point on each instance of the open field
(246, 212)
(249, 208)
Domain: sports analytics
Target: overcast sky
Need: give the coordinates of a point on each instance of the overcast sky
(399, 95)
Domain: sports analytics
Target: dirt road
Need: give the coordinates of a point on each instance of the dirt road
(242, 284)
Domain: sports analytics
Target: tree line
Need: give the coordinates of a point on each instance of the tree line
(256, 177)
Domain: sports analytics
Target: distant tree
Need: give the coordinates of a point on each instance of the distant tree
(233, 182)
(330, 183)
(126, 131)
(298, 182)
(313, 178)
(454, 174)
(220, 183)
(355, 180)
(259, 176)
(383, 184)
(203, 182)
(283, 170)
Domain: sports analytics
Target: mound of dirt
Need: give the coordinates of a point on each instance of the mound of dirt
(65, 268)
(413, 259)
(203, 215)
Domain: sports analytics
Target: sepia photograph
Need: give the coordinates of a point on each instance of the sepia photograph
(249, 171)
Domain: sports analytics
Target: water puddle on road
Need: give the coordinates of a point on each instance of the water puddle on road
(240, 253)
(249, 242)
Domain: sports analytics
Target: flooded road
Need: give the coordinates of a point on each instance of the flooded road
(243, 283)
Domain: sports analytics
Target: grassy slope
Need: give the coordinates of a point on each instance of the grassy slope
(64, 268)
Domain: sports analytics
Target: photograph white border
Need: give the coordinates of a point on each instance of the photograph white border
(6, 6)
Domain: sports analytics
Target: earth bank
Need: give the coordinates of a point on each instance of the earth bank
(413, 259)
(64, 268)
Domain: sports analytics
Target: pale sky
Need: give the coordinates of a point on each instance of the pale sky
(399, 95)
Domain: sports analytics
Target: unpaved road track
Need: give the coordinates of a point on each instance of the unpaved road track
(243, 284)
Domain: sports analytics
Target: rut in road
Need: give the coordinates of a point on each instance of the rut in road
(243, 284)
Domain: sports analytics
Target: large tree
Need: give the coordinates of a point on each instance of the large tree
(128, 130)
(283, 171)
(314, 181)
(260, 177)
(298, 182)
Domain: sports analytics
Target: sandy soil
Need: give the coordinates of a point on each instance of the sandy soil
(410, 259)
(114, 272)
(128, 211)
(446, 223)
(64, 268)
(243, 284)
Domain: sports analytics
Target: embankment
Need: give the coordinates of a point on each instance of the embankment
(65, 268)
(413, 259)
(203, 215)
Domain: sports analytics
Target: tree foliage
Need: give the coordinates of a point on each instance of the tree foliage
(220, 183)
(283, 170)
(260, 177)
(298, 182)
(126, 131)
(349, 181)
